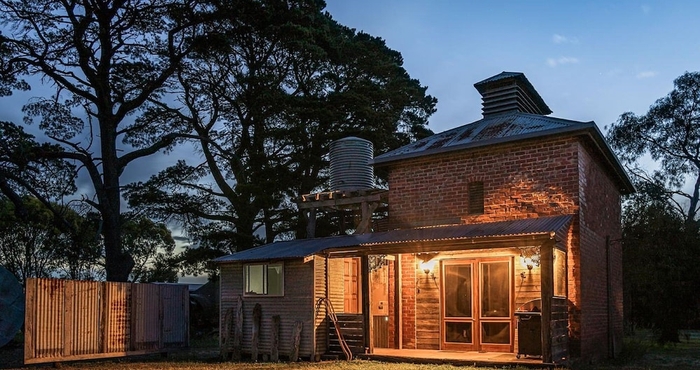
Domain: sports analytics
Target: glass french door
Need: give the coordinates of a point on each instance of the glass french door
(477, 305)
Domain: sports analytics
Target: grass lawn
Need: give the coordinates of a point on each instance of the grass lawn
(325, 365)
(640, 353)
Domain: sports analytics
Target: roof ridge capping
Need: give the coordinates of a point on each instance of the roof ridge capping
(510, 91)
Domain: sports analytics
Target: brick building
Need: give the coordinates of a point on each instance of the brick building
(499, 239)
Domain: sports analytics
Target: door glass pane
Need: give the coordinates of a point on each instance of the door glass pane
(495, 332)
(458, 291)
(495, 294)
(458, 332)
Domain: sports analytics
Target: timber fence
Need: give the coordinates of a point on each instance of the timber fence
(68, 320)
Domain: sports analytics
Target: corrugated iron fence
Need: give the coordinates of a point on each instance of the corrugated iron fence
(73, 320)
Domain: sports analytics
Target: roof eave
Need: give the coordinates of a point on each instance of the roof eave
(449, 237)
(400, 246)
(218, 262)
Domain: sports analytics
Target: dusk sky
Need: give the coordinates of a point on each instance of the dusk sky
(590, 60)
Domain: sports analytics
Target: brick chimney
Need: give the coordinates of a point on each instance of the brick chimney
(510, 92)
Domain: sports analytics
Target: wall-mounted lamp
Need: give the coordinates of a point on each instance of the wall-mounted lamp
(427, 264)
(530, 257)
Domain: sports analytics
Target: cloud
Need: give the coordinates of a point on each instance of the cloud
(611, 72)
(559, 39)
(646, 9)
(553, 62)
(646, 74)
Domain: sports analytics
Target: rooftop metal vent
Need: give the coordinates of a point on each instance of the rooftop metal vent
(350, 168)
(508, 92)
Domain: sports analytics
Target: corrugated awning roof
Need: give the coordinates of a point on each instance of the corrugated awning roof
(300, 248)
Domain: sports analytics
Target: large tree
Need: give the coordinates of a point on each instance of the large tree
(660, 267)
(106, 61)
(47, 242)
(670, 134)
(151, 245)
(62, 242)
(28, 167)
(28, 248)
(283, 81)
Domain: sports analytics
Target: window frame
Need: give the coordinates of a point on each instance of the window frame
(265, 276)
(559, 276)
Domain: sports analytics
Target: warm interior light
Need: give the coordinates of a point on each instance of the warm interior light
(530, 257)
(427, 266)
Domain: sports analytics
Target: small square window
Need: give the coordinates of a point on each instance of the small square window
(475, 192)
(263, 279)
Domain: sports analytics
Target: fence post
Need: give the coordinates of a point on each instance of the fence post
(68, 308)
(227, 334)
(257, 317)
(275, 352)
(104, 317)
(296, 338)
(238, 330)
(29, 319)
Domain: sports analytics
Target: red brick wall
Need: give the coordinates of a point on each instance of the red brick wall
(537, 178)
(520, 181)
(408, 302)
(600, 219)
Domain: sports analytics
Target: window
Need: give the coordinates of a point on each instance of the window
(475, 192)
(263, 279)
(559, 272)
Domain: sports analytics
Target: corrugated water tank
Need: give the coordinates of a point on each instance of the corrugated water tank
(350, 167)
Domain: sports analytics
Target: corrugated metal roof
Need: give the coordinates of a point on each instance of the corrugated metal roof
(305, 247)
(489, 130)
(504, 128)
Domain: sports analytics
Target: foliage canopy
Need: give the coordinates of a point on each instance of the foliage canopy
(106, 62)
(276, 87)
(670, 134)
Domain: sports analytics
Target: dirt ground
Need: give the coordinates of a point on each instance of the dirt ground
(12, 357)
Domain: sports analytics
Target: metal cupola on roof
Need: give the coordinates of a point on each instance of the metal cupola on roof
(510, 92)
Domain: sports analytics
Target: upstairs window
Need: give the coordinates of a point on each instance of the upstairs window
(475, 191)
(263, 279)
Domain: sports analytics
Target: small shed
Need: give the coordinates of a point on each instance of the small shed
(361, 275)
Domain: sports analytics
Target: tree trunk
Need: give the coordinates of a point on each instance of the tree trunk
(118, 265)
(246, 211)
(692, 208)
